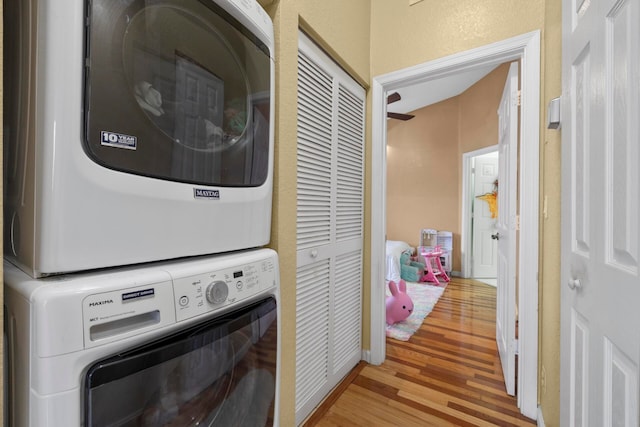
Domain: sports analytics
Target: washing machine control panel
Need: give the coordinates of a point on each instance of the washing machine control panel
(203, 293)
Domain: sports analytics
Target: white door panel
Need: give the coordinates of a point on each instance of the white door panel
(600, 286)
(485, 249)
(505, 230)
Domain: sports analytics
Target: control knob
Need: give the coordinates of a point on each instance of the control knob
(217, 292)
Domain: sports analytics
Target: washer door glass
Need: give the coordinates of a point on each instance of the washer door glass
(221, 373)
(176, 90)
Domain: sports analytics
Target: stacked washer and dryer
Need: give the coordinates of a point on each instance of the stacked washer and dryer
(138, 183)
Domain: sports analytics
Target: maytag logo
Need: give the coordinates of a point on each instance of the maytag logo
(103, 302)
(204, 193)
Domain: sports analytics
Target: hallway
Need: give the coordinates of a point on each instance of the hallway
(448, 373)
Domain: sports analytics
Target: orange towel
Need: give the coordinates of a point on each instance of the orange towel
(492, 200)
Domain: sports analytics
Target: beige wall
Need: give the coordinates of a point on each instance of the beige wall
(478, 111)
(549, 298)
(422, 172)
(403, 35)
(331, 23)
(342, 28)
(424, 160)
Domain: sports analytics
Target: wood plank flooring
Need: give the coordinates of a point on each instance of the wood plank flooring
(447, 374)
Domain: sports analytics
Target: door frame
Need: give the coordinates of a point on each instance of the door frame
(526, 48)
(466, 247)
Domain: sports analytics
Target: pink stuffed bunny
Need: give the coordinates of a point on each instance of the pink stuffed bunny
(399, 304)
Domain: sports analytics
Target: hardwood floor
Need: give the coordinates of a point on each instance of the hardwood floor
(447, 374)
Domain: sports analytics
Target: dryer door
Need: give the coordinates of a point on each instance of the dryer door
(176, 90)
(220, 373)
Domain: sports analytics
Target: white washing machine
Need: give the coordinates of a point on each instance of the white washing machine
(192, 342)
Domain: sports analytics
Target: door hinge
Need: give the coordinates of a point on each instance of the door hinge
(519, 98)
(516, 346)
(516, 223)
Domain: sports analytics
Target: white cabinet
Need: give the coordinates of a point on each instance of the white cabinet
(330, 186)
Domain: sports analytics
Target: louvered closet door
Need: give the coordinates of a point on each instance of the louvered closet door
(330, 165)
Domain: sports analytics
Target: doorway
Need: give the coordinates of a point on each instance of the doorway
(479, 249)
(525, 48)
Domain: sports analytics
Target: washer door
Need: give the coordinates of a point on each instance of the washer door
(221, 373)
(176, 90)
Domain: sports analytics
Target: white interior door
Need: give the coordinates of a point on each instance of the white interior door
(505, 228)
(600, 287)
(485, 248)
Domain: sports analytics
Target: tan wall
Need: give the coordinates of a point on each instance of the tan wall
(424, 160)
(403, 35)
(479, 111)
(331, 25)
(343, 28)
(549, 297)
(422, 172)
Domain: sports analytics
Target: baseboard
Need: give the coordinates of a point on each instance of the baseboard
(540, 418)
(455, 274)
(366, 356)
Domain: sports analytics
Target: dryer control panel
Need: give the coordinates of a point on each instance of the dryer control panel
(201, 293)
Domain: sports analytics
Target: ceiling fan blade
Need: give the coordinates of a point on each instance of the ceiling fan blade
(395, 96)
(400, 116)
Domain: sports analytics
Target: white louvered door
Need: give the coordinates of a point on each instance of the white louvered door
(330, 186)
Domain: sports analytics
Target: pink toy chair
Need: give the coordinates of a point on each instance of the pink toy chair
(432, 259)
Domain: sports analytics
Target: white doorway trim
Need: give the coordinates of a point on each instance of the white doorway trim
(467, 198)
(526, 48)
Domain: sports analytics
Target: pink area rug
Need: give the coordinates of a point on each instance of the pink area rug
(424, 297)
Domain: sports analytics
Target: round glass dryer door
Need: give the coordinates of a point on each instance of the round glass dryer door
(176, 90)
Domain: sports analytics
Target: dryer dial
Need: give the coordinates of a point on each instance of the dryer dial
(217, 292)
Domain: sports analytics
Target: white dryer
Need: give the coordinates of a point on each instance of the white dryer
(192, 342)
(135, 131)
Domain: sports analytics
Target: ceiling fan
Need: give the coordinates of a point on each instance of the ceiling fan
(394, 97)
